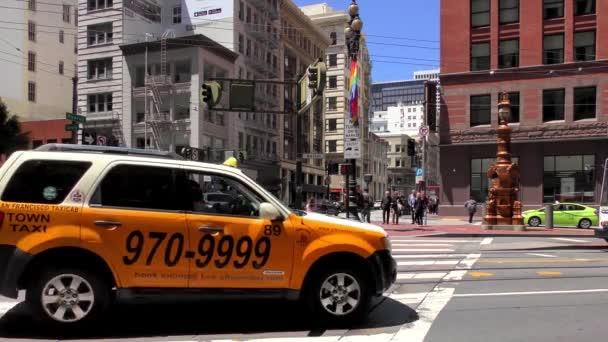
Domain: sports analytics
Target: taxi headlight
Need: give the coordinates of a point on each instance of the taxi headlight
(386, 242)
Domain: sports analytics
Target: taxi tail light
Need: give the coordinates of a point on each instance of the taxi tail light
(1, 219)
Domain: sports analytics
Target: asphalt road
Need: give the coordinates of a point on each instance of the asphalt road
(465, 289)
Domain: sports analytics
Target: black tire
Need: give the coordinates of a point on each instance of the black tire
(585, 224)
(322, 314)
(94, 284)
(534, 221)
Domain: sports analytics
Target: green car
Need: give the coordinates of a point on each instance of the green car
(564, 215)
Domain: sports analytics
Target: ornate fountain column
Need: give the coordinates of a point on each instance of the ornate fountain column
(502, 207)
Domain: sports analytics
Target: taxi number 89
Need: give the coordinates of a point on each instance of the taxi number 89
(225, 248)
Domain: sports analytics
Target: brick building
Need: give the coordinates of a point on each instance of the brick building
(547, 55)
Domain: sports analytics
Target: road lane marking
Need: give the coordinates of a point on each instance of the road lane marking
(427, 262)
(399, 250)
(421, 244)
(420, 275)
(543, 255)
(538, 261)
(435, 240)
(428, 311)
(425, 256)
(404, 298)
(481, 274)
(462, 267)
(486, 241)
(570, 240)
(497, 294)
(549, 273)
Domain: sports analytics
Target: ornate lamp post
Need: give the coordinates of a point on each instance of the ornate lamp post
(502, 207)
(352, 34)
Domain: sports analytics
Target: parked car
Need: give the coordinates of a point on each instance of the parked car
(564, 215)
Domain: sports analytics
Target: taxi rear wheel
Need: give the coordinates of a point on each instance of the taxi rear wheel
(67, 297)
(339, 295)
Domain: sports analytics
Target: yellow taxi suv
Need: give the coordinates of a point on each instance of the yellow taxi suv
(82, 227)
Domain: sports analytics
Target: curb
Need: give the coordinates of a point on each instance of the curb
(451, 235)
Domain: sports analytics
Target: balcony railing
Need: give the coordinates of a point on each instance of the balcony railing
(158, 80)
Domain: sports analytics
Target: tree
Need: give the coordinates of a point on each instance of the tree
(11, 137)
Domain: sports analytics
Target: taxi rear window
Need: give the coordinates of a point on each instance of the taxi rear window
(44, 181)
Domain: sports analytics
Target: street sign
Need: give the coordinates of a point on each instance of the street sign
(88, 138)
(418, 172)
(313, 156)
(102, 140)
(423, 131)
(71, 127)
(352, 149)
(75, 118)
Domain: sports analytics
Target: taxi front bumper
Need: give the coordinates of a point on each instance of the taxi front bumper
(384, 271)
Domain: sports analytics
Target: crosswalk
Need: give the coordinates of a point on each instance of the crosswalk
(428, 270)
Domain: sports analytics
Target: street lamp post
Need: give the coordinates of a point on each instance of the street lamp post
(352, 34)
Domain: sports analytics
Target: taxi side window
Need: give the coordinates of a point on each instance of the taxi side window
(137, 187)
(219, 195)
(44, 181)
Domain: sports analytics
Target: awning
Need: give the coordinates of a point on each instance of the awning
(314, 188)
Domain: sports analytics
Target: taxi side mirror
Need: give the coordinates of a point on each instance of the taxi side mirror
(269, 212)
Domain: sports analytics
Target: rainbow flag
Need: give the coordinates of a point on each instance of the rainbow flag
(354, 92)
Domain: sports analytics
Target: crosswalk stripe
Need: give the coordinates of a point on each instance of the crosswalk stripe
(427, 262)
(436, 240)
(433, 256)
(420, 275)
(422, 244)
(399, 250)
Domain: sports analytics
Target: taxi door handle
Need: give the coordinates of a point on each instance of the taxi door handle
(108, 224)
(206, 229)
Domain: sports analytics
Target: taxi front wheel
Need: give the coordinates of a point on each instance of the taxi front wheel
(339, 295)
(67, 297)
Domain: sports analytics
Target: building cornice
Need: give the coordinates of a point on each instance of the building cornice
(305, 22)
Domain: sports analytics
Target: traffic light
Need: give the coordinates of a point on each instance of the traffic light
(411, 147)
(313, 77)
(211, 93)
(344, 169)
(241, 156)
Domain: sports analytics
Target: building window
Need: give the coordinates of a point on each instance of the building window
(479, 177)
(248, 17)
(31, 5)
(241, 11)
(553, 104)
(333, 82)
(569, 179)
(60, 67)
(94, 5)
(334, 38)
(66, 13)
(509, 11)
(248, 48)
(100, 69)
(332, 103)
(584, 103)
(480, 110)
(584, 46)
(61, 36)
(99, 34)
(332, 125)
(333, 60)
(31, 91)
(332, 146)
(553, 49)
(480, 13)
(508, 53)
(514, 99)
(76, 44)
(241, 43)
(31, 61)
(100, 103)
(583, 7)
(553, 9)
(480, 56)
(177, 14)
(31, 31)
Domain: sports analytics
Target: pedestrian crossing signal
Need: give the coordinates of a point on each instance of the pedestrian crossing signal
(344, 169)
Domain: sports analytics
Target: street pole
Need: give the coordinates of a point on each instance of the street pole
(74, 107)
(146, 96)
(299, 151)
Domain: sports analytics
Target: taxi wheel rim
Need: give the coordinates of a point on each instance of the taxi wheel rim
(67, 298)
(585, 224)
(340, 294)
(534, 222)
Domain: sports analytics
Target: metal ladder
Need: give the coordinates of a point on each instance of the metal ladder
(117, 128)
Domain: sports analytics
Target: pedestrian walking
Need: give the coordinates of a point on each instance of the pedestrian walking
(366, 208)
(395, 209)
(471, 207)
(310, 205)
(418, 210)
(426, 203)
(387, 202)
(411, 201)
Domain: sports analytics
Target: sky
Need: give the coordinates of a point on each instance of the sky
(403, 22)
